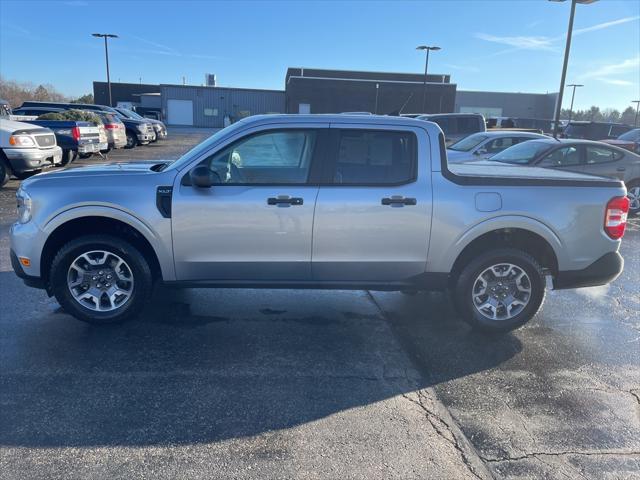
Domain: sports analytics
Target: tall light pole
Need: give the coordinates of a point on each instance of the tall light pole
(106, 54)
(573, 95)
(426, 68)
(637, 102)
(567, 48)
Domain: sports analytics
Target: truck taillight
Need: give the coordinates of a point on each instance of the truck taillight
(111, 126)
(75, 133)
(615, 218)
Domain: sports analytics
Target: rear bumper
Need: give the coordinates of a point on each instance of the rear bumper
(27, 159)
(29, 281)
(91, 147)
(604, 270)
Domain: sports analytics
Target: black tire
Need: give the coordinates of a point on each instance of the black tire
(463, 292)
(25, 175)
(132, 140)
(635, 184)
(142, 285)
(68, 156)
(5, 171)
(85, 155)
(106, 151)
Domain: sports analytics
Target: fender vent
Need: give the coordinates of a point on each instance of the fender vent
(163, 200)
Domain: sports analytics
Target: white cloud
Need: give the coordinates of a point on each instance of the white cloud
(546, 43)
(614, 81)
(610, 73)
(600, 26)
(519, 42)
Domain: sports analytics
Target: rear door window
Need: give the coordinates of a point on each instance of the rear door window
(369, 157)
(596, 155)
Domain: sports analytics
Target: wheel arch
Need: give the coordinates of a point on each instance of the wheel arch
(102, 220)
(532, 237)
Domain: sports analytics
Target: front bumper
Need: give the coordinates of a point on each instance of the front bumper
(145, 137)
(604, 270)
(28, 159)
(29, 281)
(161, 133)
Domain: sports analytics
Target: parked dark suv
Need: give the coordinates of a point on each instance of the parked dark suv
(595, 130)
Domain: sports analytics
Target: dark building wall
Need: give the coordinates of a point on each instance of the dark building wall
(507, 104)
(335, 91)
(121, 92)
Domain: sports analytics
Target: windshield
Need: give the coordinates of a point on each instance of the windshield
(468, 143)
(631, 136)
(204, 146)
(130, 114)
(522, 153)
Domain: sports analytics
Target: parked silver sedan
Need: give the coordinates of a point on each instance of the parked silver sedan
(584, 156)
(482, 145)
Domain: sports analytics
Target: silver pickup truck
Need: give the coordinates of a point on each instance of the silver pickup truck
(318, 201)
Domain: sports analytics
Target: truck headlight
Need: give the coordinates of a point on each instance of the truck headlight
(24, 206)
(21, 141)
(142, 128)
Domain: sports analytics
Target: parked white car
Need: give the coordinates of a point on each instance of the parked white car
(482, 145)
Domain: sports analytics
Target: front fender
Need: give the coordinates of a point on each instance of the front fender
(444, 263)
(155, 239)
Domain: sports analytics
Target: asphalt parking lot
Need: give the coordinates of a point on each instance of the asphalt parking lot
(317, 384)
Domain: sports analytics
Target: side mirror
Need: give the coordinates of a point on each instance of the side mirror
(481, 151)
(202, 177)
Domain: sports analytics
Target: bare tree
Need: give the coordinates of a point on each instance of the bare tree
(17, 92)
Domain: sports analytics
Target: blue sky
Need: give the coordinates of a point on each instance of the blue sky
(505, 45)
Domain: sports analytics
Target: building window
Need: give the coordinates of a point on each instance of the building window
(210, 112)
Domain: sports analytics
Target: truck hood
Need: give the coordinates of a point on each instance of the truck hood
(124, 168)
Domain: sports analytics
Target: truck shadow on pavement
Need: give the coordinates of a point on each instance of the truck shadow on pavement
(207, 366)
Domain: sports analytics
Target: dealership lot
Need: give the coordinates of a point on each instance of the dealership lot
(267, 384)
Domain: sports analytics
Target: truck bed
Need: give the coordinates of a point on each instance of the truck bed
(505, 174)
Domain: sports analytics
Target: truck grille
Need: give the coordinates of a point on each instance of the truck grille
(45, 140)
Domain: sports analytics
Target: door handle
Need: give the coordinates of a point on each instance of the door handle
(621, 169)
(397, 200)
(284, 201)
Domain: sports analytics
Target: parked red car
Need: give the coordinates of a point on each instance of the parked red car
(629, 141)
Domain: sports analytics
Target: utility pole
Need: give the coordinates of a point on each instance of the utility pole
(573, 95)
(567, 49)
(106, 36)
(428, 49)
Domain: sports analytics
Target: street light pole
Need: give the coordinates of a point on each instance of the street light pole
(426, 69)
(106, 54)
(637, 102)
(573, 95)
(567, 48)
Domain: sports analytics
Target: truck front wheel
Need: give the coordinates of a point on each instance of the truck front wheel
(100, 279)
(500, 290)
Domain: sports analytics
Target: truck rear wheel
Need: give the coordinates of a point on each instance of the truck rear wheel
(500, 290)
(100, 279)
